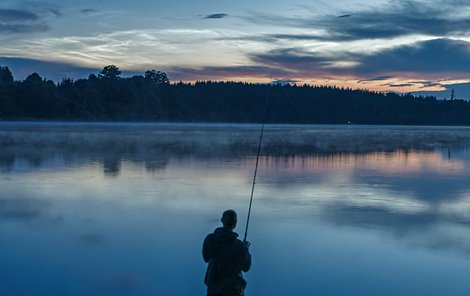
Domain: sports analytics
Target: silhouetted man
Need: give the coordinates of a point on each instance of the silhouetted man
(227, 257)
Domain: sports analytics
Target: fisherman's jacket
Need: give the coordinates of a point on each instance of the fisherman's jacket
(227, 257)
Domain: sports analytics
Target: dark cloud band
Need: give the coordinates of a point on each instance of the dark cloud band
(33, 18)
(88, 11)
(398, 18)
(432, 57)
(16, 15)
(23, 28)
(216, 16)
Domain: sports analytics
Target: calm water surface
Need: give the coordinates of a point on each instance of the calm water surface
(122, 209)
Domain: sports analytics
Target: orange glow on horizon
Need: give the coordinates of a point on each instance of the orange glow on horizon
(395, 84)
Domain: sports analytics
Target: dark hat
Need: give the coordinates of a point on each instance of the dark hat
(229, 218)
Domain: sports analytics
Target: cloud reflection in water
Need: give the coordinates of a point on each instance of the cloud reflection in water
(127, 192)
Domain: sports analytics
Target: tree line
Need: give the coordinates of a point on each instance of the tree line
(151, 97)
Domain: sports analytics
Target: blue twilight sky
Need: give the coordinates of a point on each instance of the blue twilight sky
(398, 45)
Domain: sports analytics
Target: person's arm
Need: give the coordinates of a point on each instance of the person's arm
(206, 249)
(247, 257)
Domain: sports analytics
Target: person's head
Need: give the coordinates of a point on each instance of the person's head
(229, 219)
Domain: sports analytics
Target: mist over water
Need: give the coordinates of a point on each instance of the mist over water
(122, 209)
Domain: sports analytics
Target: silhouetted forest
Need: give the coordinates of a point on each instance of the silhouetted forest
(151, 97)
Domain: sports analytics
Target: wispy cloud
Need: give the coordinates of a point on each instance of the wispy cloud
(88, 11)
(397, 18)
(42, 8)
(216, 16)
(22, 67)
(31, 17)
(17, 15)
(223, 72)
(299, 62)
(23, 28)
(399, 84)
(377, 78)
(461, 91)
(429, 58)
(134, 49)
(416, 40)
(437, 56)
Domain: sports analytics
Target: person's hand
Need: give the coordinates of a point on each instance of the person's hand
(247, 244)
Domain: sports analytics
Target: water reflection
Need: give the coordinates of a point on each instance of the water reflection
(112, 165)
(121, 191)
(21, 208)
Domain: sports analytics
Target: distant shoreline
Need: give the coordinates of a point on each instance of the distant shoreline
(211, 124)
(152, 98)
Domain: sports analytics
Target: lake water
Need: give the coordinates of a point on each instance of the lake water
(122, 209)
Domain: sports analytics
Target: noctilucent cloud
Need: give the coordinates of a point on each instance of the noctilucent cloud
(395, 45)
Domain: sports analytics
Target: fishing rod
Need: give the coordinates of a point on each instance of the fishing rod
(257, 157)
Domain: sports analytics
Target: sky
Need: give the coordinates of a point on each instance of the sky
(384, 45)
